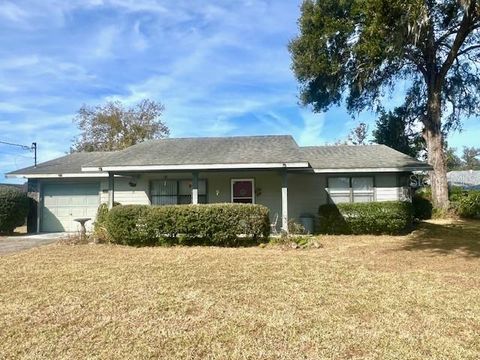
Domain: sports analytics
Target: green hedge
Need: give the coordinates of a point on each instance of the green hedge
(211, 224)
(13, 209)
(99, 226)
(422, 207)
(467, 204)
(385, 217)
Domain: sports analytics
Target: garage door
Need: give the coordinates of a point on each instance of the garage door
(64, 202)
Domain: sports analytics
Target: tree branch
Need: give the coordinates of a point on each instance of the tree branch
(462, 34)
(419, 65)
(466, 50)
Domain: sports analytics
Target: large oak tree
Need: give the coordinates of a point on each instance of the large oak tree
(362, 50)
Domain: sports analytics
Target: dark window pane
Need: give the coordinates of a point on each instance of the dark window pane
(339, 183)
(242, 201)
(184, 199)
(242, 189)
(164, 187)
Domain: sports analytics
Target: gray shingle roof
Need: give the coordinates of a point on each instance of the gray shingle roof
(68, 164)
(359, 157)
(231, 150)
(209, 150)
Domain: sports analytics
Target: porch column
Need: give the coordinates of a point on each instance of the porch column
(39, 205)
(195, 187)
(284, 201)
(111, 190)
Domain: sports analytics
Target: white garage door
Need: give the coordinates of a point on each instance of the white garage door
(64, 202)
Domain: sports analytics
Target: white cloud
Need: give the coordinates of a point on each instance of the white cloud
(105, 42)
(136, 5)
(11, 108)
(311, 134)
(12, 12)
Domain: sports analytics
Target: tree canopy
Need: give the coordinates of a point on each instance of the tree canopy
(471, 158)
(452, 160)
(360, 51)
(396, 130)
(113, 126)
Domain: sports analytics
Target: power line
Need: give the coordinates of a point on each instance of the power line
(24, 147)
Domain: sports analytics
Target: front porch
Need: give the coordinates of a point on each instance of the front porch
(266, 187)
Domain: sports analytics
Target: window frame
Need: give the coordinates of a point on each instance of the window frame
(350, 189)
(177, 195)
(251, 180)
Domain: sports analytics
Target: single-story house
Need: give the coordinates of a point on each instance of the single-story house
(466, 179)
(274, 171)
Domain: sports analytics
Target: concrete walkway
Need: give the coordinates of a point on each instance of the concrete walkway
(11, 244)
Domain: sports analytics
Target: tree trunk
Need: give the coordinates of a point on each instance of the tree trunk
(436, 157)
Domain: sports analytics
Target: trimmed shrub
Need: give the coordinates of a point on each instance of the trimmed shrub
(467, 205)
(126, 225)
(102, 213)
(13, 209)
(385, 217)
(210, 224)
(99, 226)
(422, 207)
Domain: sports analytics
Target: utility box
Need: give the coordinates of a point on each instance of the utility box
(308, 222)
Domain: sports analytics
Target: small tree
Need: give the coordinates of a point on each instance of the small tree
(396, 130)
(358, 135)
(114, 127)
(471, 157)
(452, 160)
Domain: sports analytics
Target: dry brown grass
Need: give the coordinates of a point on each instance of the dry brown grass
(411, 297)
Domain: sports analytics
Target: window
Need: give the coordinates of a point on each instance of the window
(167, 192)
(243, 191)
(339, 189)
(362, 188)
(351, 189)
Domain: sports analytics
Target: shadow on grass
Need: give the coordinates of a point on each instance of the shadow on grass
(463, 236)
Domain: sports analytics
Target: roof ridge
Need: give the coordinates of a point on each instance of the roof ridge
(340, 145)
(216, 137)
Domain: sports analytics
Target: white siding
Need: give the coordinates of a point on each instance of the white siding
(387, 188)
(388, 193)
(126, 194)
(306, 192)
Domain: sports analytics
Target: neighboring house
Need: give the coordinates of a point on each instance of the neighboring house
(269, 170)
(467, 179)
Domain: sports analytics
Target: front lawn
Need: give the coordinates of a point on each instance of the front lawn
(385, 297)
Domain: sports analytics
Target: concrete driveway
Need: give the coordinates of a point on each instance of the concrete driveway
(11, 244)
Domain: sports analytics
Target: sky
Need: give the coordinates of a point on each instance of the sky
(220, 68)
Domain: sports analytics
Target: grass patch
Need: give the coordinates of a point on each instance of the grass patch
(356, 297)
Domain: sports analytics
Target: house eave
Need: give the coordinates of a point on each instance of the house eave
(57, 176)
(372, 170)
(244, 166)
